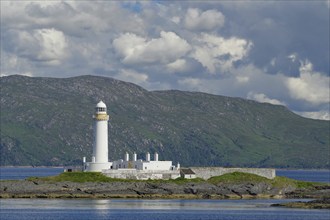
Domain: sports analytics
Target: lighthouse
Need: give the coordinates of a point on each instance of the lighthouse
(100, 146)
(127, 168)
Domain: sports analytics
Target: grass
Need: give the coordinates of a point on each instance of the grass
(279, 181)
(179, 181)
(80, 177)
(237, 177)
(229, 178)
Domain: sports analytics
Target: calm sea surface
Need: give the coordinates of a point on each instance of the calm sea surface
(20, 209)
(306, 175)
(20, 173)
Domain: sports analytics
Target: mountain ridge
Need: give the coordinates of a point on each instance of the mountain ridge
(193, 128)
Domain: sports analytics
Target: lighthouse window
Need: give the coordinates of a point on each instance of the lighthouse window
(100, 109)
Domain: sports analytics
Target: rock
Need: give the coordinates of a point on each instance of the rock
(145, 189)
(314, 204)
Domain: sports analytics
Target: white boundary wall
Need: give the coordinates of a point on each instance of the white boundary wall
(142, 174)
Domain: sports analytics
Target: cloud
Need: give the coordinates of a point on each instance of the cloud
(260, 97)
(192, 83)
(244, 80)
(52, 44)
(203, 21)
(138, 50)
(132, 76)
(321, 115)
(176, 19)
(12, 64)
(48, 9)
(45, 45)
(219, 54)
(231, 48)
(310, 86)
(180, 65)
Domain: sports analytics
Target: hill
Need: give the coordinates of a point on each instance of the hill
(48, 121)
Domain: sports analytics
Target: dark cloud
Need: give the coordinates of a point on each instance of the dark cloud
(280, 28)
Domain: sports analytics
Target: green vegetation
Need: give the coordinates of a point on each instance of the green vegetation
(237, 177)
(279, 181)
(178, 181)
(80, 177)
(230, 178)
(47, 121)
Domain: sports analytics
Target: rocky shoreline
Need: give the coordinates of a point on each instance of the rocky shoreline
(155, 190)
(314, 204)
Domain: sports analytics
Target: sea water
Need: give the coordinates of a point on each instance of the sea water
(322, 176)
(20, 209)
(20, 173)
(257, 209)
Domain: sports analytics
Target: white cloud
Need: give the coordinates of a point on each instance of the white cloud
(176, 19)
(12, 64)
(52, 45)
(260, 97)
(242, 79)
(180, 65)
(219, 54)
(203, 21)
(126, 44)
(245, 81)
(137, 50)
(45, 45)
(321, 115)
(132, 76)
(293, 57)
(310, 86)
(192, 83)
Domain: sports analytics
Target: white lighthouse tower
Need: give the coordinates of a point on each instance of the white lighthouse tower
(100, 147)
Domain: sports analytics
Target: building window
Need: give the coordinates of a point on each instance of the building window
(145, 168)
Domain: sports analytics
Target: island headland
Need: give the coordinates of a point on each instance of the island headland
(228, 186)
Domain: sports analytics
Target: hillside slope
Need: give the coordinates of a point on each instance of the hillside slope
(48, 121)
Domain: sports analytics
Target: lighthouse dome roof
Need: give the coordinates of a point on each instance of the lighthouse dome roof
(100, 105)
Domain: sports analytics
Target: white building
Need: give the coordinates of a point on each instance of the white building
(141, 164)
(123, 168)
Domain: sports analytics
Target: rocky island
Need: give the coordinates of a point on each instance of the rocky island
(229, 186)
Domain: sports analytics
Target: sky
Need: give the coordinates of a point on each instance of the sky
(269, 51)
